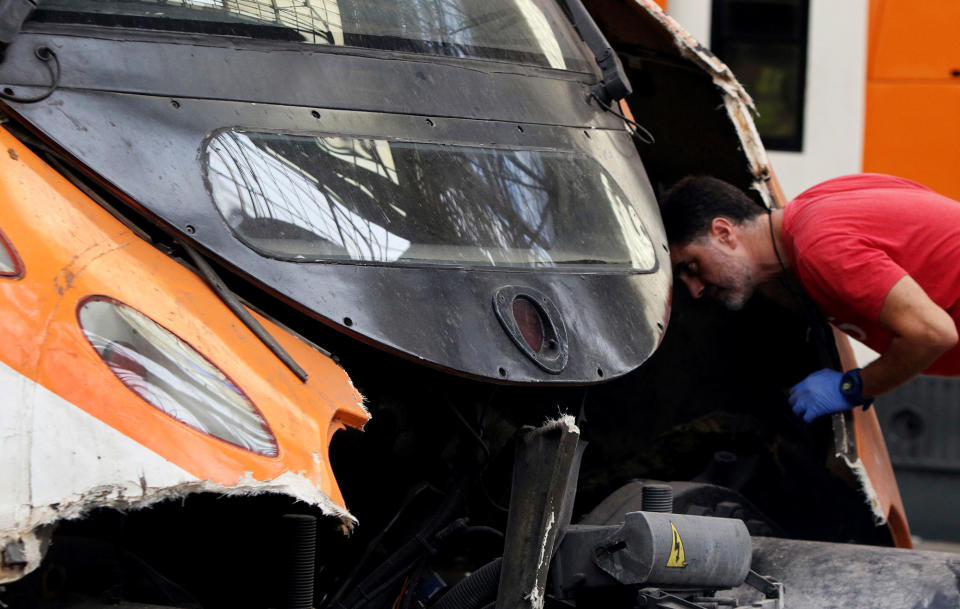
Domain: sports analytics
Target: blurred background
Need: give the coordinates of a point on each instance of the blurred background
(854, 86)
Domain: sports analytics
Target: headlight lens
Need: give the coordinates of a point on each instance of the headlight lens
(173, 376)
(9, 263)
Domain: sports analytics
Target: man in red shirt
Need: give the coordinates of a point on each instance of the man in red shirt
(879, 255)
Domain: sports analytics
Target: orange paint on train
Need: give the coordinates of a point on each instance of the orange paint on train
(71, 249)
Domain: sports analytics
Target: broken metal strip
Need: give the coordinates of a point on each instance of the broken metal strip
(233, 303)
(542, 478)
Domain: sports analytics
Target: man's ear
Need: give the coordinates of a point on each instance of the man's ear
(724, 231)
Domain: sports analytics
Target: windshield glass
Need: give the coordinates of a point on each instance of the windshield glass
(309, 198)
(521, 31)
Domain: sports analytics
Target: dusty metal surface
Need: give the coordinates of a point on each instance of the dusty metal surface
(829, 575)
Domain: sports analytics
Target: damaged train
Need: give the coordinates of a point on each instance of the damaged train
(364, 303)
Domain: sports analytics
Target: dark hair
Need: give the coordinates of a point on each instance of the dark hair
(690, 205)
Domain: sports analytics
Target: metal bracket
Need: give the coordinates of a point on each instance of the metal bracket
(768, 586)
(658, 599)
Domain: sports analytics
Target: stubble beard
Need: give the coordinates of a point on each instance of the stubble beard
(736, 283)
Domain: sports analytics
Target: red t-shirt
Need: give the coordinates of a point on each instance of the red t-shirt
(851, 239)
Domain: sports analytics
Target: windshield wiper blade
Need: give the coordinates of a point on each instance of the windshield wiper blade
(230, 299)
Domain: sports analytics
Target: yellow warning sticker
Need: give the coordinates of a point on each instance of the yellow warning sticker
(677, 557)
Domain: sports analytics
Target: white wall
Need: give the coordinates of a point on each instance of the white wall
(836, 87)
(694, 16)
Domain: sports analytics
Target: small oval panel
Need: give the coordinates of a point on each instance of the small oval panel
(534, 324)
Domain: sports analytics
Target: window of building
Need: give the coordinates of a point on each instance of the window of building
(765, 44)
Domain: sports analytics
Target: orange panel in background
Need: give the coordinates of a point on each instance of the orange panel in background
(912, 115)
(912, 40)
(912, 130)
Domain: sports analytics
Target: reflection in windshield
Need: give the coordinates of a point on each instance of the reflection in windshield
(521, 31)
(288, 212)
(339, 198)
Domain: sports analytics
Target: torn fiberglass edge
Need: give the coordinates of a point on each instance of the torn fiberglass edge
(62, 463)
(736, 100)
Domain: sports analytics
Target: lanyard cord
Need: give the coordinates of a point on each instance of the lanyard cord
(815, 322)
(773, 241)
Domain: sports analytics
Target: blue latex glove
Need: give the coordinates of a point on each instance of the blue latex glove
(818, 394)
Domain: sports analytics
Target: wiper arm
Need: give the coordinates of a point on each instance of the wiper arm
(230, 299)
(614, 85)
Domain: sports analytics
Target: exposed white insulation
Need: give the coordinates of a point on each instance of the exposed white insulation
(565, 422)
(536, 595)
(60, 462)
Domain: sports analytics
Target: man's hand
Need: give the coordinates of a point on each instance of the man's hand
(818, 394)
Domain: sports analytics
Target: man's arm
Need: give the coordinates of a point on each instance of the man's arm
(922, 332)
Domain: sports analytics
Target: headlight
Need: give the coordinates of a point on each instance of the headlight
(173, 376)
(9, 262)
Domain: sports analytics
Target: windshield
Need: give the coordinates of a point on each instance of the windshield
(309, 198)
(521, 31)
